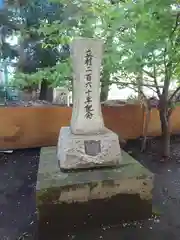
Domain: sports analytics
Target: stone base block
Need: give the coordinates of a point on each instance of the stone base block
(69, 202)
(84, 152)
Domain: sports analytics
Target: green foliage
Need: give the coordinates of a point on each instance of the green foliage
(97, 19)
(141, 39)
(153, 40)
(35, 59)
(59, 75)
(137, 36)
(7, 28)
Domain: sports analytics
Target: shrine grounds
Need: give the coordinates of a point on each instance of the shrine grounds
(18, 219)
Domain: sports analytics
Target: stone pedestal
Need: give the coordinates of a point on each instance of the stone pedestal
(71, 202)
(88, 151)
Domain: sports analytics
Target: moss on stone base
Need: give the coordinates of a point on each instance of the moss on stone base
(69, 202)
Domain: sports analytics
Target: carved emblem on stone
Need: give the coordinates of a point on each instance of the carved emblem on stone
(92, 147)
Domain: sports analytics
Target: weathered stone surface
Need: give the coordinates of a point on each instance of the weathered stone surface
(72, 201)
(87, 143)
(76, 152)
(86, 115)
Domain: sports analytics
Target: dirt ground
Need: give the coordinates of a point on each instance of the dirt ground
(17, 198)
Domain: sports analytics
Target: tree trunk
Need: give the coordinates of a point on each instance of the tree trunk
(163, 113)
(46, 92)
(139, 81)
(43, 90)
(104, 93)
(49, 95)
(145, 127)
(105, 82)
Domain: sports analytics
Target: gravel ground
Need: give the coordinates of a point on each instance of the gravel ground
(17, 198)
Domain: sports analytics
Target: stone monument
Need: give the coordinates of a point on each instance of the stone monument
(72, 201)
(87, 143)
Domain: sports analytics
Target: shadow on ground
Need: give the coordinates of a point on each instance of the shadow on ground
(17, 198)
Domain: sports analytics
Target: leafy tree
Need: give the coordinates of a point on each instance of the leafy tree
(89, 19)
(7, 29)
(8, 51)
(151, 39)
(77, 19)
(141, 43)
(33, 57)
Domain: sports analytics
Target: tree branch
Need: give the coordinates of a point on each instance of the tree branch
(176, 25)
(137, 90)
(169, 64)
(134, 84)
(153, 76)
(174, 94)
(148, 73)
(167, 77)
(155, 79)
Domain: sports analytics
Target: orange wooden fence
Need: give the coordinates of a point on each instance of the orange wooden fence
(154, 128)
(27, 127)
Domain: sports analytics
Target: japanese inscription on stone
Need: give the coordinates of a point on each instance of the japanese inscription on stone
(88, 84)
(86, 57)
